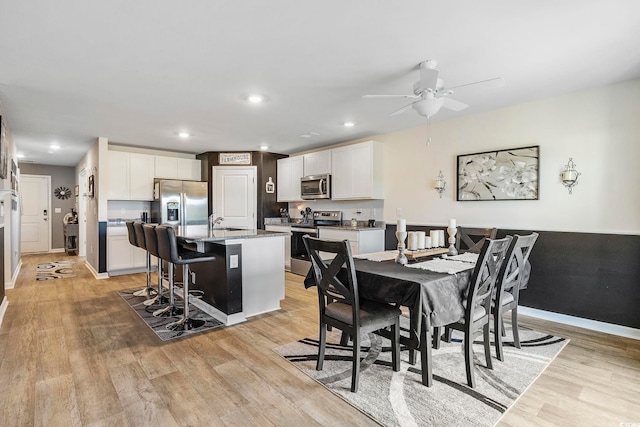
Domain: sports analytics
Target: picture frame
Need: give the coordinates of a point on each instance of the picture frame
(90, 187)
(76, 190)
(3, 150)
(506, 174)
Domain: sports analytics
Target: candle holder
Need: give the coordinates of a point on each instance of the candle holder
(401, 258)
(452, 240)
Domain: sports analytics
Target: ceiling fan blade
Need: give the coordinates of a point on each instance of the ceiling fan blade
(391, 96)
(402, 110)
(486, 84)
(454, 105)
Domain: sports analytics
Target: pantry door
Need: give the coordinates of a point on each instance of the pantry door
(234, 196)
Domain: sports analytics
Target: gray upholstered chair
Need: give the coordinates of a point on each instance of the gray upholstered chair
(341, 306)
(477, 303)
(136, 238)
(508, 285)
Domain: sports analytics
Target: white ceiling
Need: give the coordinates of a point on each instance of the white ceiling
(138, 71)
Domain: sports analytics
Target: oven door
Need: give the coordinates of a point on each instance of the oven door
(300, 262)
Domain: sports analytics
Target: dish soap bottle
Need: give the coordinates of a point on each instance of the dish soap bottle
(354, 222)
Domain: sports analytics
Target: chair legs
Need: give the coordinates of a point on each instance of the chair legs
(186, 323)
(514, 326)
(148, 291)
(159, 298)
(355, 372)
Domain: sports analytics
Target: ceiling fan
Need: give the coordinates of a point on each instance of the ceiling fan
(431, 94)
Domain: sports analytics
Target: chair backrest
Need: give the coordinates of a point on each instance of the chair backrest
(167, 243)
(326, 273)
(512, 269)
(485, 274)
(137, 227)
(150, 239)
(132, 233)
(472, 239)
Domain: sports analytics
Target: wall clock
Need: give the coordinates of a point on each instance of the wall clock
(62, 193)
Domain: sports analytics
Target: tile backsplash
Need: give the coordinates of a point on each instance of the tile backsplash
(119, 209)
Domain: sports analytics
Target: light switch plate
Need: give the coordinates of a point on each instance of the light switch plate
(233, 261)
(57, 210)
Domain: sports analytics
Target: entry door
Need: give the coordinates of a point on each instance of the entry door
(35, 229)
(234, 195)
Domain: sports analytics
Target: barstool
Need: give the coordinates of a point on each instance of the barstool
(168, 247)
(164, 253)
(133, 239)
(151, 242)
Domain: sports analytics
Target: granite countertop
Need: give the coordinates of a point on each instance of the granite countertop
(222, 234)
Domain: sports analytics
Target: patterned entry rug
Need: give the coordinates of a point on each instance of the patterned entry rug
(399, 398)
(158, 324)
(54, 270)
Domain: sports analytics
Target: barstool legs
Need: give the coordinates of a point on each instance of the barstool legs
(148, 291)
(159, 298)
(186, 322)
(171, 309)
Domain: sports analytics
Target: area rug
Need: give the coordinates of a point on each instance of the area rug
(399, 398)
(158, 324)
(54, 270)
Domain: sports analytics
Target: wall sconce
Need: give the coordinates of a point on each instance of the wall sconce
(570, 175)
(440, 184)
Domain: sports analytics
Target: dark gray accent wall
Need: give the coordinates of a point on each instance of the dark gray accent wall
(587, 275)
(61, 176)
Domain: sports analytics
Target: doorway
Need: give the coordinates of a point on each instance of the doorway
(82, 213)
(35, 229)
(234, 193)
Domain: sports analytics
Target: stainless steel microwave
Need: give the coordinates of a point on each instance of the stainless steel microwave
(315, 187)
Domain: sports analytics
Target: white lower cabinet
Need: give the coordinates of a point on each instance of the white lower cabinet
(122, 255)
(362, 241)
(287, 242)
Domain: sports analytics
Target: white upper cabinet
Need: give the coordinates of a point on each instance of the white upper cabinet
(317, 163)
(290, 170)
(177, 168)
(119, 175)
(357, 171)
(140, 176)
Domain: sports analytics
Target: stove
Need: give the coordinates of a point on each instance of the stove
(300, 263)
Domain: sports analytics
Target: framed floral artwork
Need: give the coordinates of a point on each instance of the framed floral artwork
(510, 174)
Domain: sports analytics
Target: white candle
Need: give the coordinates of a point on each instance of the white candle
(569, 175)
(421, 237)
(452, 223)
(427, 242)
(434, 238)
(412, 241)
(402, 225)
(441, 241)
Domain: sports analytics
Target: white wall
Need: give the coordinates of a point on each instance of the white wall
(599, 128)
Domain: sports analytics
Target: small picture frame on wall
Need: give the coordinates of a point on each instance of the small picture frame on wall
(90, 189)
(3, 150)
(77, 191)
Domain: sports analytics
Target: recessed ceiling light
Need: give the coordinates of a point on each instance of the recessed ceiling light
(54, 146)
(20, 156)
(264, 147)
(309, 135)
(349, 124)
(183, 134)
(255, 98)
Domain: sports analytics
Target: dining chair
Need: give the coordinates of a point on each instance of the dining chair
(477, 303)
(340, 305)
(508, 285)
(472, 239)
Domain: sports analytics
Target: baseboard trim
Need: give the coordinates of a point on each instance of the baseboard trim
(12, 283)
(97, 275)
(3, 308)
(56, 250)
(594, 325)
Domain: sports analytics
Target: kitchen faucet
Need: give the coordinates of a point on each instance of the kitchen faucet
(214, 222)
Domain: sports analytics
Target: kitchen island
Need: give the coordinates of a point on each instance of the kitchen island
(247, 277)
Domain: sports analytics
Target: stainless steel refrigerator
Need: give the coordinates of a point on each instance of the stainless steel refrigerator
(180, 203)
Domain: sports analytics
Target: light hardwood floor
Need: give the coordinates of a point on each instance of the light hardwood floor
(72, 353)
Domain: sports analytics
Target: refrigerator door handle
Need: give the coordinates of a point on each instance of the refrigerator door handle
(183, 200)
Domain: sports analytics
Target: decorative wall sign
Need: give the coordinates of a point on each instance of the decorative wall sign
(271, 186)
(510, 174)
(234, 158)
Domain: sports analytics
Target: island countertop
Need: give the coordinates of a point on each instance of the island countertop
(202, 234)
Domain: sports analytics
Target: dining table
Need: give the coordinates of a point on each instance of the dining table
(434, 299)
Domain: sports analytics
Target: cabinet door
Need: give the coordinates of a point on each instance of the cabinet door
(188, 169)
(141, 176)
(290, 170)
(139, 257)
(342, 173)
(287, 242)
(119, 254)
(317, 163)
(166, 167)
(357, 171)
(118, 175)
